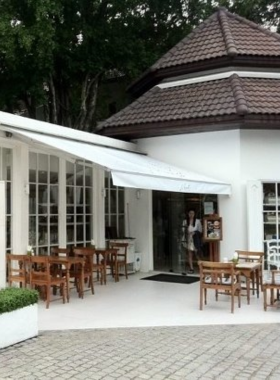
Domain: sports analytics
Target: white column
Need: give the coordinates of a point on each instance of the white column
(254, 215)
(20, 198)
(139, 214)
(62, 203)
(2, 234)
(98, 207)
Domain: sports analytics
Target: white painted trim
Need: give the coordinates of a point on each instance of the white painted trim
(13, 123)
(62, 203)
(217, 76)
(2, 234)
(20, 199)
(98, 207)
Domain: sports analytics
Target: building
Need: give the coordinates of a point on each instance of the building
(204, 132)
(57, 189)
(212, 104)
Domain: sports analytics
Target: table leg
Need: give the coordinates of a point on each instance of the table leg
(248, 289)
(105, 269)
(67, 281)
(258, 282)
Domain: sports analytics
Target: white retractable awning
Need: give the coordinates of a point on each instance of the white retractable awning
(130, 169)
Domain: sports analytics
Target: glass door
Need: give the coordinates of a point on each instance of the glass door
(169, 211)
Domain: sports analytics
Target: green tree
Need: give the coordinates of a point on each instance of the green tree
(55, 53)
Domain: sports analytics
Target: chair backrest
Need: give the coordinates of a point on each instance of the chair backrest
(63, 252)
(121, 248)
(87, 253)
(18, 266)
(40, 269)
(273, 254)
(213, 272)
(272, 278)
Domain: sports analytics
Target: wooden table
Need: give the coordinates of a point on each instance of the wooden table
(68, 262)
(250, 270)
(108, 254)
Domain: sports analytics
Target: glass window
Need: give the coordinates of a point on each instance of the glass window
(43, 168)
(43, 202)
(6, 175)
(78, 204)
(114, 208)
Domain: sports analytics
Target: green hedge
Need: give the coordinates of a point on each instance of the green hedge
(16, 298)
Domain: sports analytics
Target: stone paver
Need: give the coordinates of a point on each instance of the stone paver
(156, 353)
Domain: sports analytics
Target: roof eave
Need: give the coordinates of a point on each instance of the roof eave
(199, 125)
(152, 78)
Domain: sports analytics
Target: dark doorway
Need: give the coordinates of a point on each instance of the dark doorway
(169, 211)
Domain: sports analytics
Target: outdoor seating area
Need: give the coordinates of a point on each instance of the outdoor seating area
(150, 303)
(244, 273)
(65, 271)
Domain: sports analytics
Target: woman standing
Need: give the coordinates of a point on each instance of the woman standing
(191, 227)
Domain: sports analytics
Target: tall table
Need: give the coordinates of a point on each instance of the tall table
(250, 270)
(68, 262)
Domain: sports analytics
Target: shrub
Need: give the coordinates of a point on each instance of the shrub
(16, 298)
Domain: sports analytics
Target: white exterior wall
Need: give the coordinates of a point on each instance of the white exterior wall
(260, 163)
(217, 155)
(238, 157)
(2, 234)
(139, 224)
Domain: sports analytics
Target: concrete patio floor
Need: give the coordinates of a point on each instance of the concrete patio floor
(137, 303)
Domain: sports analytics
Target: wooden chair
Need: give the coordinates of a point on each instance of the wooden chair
(121, 257)
(85, 273)
(41, 276)
(273, 254)
(18, 266)
(107, 258)
(64, 252)
(271, 282)
(221, 277)
(255, 276)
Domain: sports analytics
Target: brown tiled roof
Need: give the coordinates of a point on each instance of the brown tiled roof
(222, 34)
(221, 40)
(217, 101)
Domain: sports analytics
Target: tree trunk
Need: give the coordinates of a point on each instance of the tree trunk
(88, 103)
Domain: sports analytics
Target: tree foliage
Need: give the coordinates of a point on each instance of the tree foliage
(55, 53)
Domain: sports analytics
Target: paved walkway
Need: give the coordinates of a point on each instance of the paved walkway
(156, 353)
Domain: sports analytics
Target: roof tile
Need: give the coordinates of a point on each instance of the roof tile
(233, 95)
(220, 35)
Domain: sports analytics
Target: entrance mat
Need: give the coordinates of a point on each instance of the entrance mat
(163, 277)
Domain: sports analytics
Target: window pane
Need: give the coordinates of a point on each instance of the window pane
(43, 168)
(32, 167)
(121, 201)
(32, 231)
(8, 198)
(43, 199)
(121, 226)
(8, 232)
(32, 199)
(54, 199)
(43, 230)
(113, 201)
(54, 166)
(80, 233)
(107, 179)
(69, 173)
(88, 176)
(70, 195)
(88, 227)
(7, 164)
(79, 175)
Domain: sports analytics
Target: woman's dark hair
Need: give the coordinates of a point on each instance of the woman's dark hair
(188, 218)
